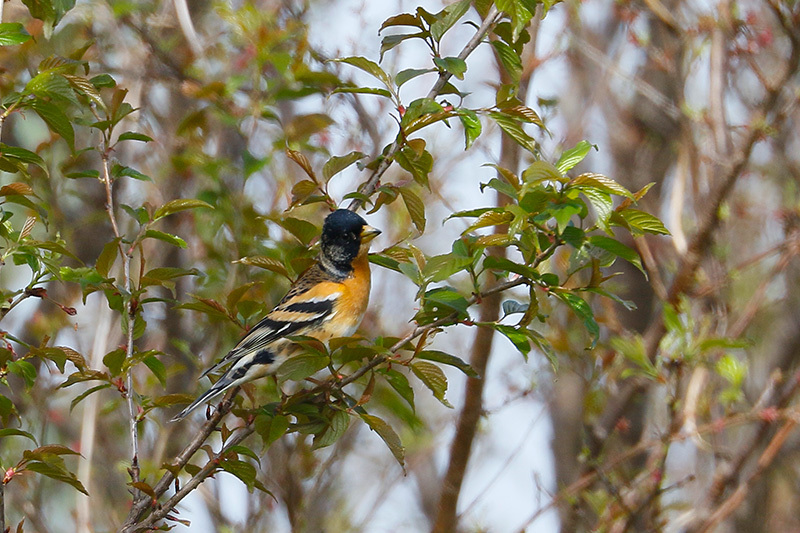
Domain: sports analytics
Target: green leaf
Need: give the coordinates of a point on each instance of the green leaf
(336, 164)
(472, 126)
(449, 298)
(20, 154)
(519, 13)
(573, 156)
(516, 335)
(583, 311)
(299, 367)
(399, 382)
(509, 59)
(416, 208)
(506, 265)
(415, 159)
(513, 129)
(391, 41)
(403, 19)
(540, 171)
(56, 470)
(633, 349)
(49, 11)
(447, 359)
(118, 171)
(639, 222)
(368, 66)
(82, 396)
(563, 212)
(363, 90)
(388, 435)
(512, 307)
(181, 204)
(336, 427)
(432, 377)
(617, 248)
(13, 432)
(103, 81)
(441, 267)
(167, 273)
(107, 257)
(303, 230)
(447, 17)
(23, 369)
(600, 183)
(166, 237)
(157, 368)
(490, 218)
(271, 428)
(453, 65)
(603, 206)
(732, 369)
(267, 263)
(409, 74)
(13, 33)
(242, 470)
(82, 174)
(133, 136)
(55, 119)
(114, 361)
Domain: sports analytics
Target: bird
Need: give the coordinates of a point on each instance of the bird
(328, 300)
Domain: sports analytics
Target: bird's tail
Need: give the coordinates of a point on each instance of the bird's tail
(218, 388)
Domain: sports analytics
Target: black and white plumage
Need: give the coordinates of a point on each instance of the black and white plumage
(328, 300)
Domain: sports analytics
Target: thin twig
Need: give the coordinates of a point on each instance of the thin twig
(125, 256)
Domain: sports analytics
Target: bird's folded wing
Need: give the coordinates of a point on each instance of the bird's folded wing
(296, 315)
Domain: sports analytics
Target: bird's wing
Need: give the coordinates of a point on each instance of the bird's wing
(310, 301)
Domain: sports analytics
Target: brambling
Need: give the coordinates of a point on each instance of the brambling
(328, 300)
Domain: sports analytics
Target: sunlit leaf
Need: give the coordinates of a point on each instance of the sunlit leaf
(573, 156)
(13, 33)
(181, 204)
(432, 377)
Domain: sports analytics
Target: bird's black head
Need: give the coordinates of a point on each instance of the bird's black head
(343, 234)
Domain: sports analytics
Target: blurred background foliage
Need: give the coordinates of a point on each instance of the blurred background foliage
(164, 171)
